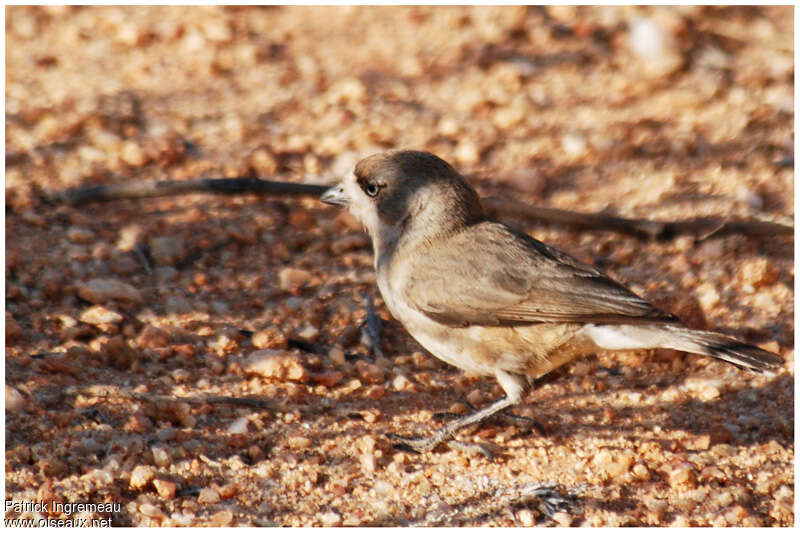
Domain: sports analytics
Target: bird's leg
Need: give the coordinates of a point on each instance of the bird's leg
(509, 418)
(514, 385)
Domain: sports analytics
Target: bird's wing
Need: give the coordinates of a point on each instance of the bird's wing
(488, 274)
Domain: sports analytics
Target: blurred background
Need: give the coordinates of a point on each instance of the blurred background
(552, 100)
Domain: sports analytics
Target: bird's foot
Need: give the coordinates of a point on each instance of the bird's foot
(509, 418)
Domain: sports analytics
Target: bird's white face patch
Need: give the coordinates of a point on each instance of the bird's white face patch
(361, 206)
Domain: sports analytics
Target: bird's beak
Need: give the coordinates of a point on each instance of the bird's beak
(336, 196)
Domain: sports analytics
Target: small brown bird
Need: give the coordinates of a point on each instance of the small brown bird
(488, 299)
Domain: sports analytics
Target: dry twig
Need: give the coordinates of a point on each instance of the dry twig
(703, 227)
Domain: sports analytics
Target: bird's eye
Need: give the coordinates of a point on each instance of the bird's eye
(371, 189)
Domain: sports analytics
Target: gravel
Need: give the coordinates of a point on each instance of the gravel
(121, 318)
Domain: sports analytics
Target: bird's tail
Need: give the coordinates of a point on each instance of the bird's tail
(717, 345)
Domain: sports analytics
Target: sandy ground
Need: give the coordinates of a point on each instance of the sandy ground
(119, 316)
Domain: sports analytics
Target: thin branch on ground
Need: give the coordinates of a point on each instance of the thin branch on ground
(702, 227)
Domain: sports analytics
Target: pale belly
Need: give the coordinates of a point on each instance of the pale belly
(532, 350)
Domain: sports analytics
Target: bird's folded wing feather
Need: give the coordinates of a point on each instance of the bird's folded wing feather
(511, 278)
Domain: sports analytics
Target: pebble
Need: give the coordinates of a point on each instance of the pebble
(562, 518)
(221, 519)
(15, 401)
(683, 475)
(526, 518)
(160, 455)
(166, 489)
(298, 443)
(269, 338)
(276, 364)
(132, 154)
(167, 251)
(13, 330)
(150, 510)
(238, 426)
(308, 333)
(647, 39)
(80, 235)
(328, 378)
(97, 314)
(102, 290)
(117, 352)
(574, 144)
(369, 372)
(331, 519)
(141, 476)
(291, 279)
(467, 153)
(641, 472)
(707, 296)
(758, 272)
(613, 465)
(208, 496)
(402, 383)
(375, 392)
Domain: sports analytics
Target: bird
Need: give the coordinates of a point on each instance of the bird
(492, 300)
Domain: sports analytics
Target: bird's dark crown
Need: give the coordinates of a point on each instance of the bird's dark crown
(409, 182)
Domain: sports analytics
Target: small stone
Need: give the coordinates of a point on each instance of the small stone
(703, 442)
(467, 153)
(331, 519)
(562, 518)
(375, 392)
(298, 443)
(402, 383)
(132, 154)
(641, 472)
(99, 291)
(160, 456)
(166, 489)
(291, 279)
(647, 39)
(269, 338)
(167, 251)
(238, 426)
(369, 372)
(221, 519)
(208, 496)
(328, 378)
(138, 423)
(13, 330)
(475, 397)
(80, 235)
(15, 401)
(526, 518)
(153, 337)
(141, 476)
(758, 272)
(683, 475)
(150, 510)
(117, 352)
(264, 162)
(97, 314)
(336, 354)
(574, 144)
(276, 364)
(308, 333)
(707, 296)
